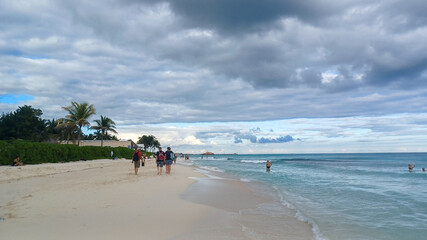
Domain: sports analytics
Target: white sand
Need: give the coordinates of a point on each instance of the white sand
(100, 199)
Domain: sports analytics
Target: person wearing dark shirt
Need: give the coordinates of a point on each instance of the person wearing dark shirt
(160, 160)
(169, 155)
(136, 160)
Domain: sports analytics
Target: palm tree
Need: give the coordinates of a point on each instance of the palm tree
(52, 130)
(66, 132)
(78, 115)
(150, 142)
(104, 125)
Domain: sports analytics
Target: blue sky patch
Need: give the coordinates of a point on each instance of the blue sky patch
(15, 98)
(17, 53)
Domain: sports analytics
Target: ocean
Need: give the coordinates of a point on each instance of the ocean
(342, 196)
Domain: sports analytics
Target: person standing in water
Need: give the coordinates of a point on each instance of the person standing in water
(268, 165)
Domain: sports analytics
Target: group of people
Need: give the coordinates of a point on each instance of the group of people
(412, 166)
(162, 159)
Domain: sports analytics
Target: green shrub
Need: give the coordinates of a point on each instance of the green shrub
(36, 153)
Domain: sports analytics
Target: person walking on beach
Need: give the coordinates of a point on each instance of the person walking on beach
(169, 155)
(136, 160)
(160, 160)
(268, 165)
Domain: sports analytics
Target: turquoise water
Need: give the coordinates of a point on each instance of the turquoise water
(343, 196)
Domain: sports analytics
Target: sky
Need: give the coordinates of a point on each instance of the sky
(226, 76)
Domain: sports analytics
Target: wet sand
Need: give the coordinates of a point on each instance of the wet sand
(240, 211)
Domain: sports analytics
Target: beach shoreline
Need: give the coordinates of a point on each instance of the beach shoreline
(103, 199)
(242, 210)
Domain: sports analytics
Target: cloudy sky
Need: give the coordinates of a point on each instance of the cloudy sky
(244, 76)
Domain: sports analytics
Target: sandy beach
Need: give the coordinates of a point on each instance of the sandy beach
(103, 199)
(100, 199)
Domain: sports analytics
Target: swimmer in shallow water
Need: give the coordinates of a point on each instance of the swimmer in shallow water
(410, 167)
(268, 165)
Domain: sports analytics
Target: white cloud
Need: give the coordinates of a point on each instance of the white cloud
(192, 140)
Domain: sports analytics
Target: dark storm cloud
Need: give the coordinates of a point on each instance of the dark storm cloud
(404, 15)
(283, 43)
(294, 43)
(221, 61)
(241, 16)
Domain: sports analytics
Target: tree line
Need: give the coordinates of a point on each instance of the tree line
(26, 123)
(149, 142)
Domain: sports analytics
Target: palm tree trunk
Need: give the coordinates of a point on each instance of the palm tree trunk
(80, 133)
(102, 138)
